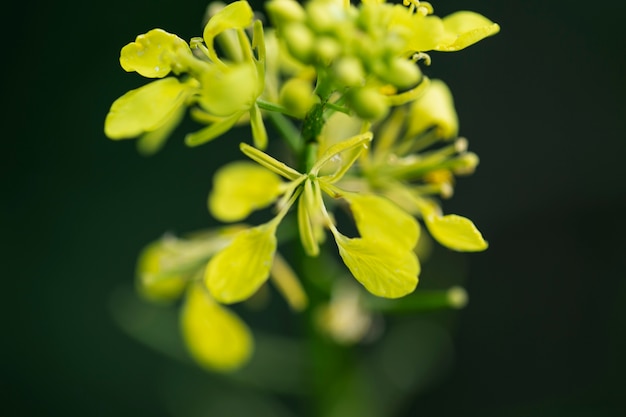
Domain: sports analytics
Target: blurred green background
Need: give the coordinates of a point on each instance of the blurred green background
(542, 103)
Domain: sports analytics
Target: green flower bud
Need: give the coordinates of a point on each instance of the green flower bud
(349, 72)
(284, 12)
(404, 73)
(300, 41)
(297, 96)
(367, 103)
(326, 50)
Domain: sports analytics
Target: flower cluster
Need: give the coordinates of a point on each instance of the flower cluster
(369, 133)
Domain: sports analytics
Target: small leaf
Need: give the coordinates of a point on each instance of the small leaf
(215, 337)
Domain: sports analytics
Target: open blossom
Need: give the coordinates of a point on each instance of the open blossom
(381, 258)
(197, 78)
(368, 132)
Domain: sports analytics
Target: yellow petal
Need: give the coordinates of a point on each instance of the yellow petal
(427, 32)
(219, 83)
(434, 109)
(153, 54)
(236, 15)
(380, 220)
(239, 188)
(384, 270)
(155, 282)
(237, 272)
(215, 337)
(145, 109)
(165, 266)
(151, 142)
(455, 232)
(468, 28)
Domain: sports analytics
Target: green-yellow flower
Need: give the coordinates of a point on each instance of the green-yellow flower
(230, 90)
(381, 258)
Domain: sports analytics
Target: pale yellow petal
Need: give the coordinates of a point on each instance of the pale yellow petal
(427, 32)
(155, 281)
(228, 90)
(468, 28)
(380, 220)
(237, 272)
(384, 270)
(456, 232)
(215, 337)
(165, 266)
(435, 109)
(145, 109)
(236, 15)
(153, 54)
(239, 188)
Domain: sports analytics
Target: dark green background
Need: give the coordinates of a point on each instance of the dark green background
(542, 103)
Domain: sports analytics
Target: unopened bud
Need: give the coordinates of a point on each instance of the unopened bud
(300, 41)
(465, 164)
(284, 12)
(297, 96)
(367, 103)
(349, 72)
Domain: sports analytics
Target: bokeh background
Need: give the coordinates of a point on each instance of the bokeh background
(542, 103)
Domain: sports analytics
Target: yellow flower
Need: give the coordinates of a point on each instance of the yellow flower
(408, 165)
(230, 90)
(169, 268)
(381, 258)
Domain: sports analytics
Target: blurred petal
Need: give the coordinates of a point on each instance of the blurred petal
(469, 28)
(146, 108)
(219, 83)
(216, 338)
(428, 32)
(384, 270)
(155, 282)
(380, 220)
(434, 109)
(455, 232)
(239, 188)
(165, 265)
(151, 142)
(153, 53)
(237, 272)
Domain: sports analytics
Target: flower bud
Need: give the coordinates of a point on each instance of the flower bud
(326, 50)
(300, 41)
(284, 12)
(297, 96)
(367, 103)
(349, 72)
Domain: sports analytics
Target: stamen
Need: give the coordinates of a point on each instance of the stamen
(270, 163)
(461, 145)
(421, 56)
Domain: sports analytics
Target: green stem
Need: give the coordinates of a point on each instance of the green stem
(289, 133)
